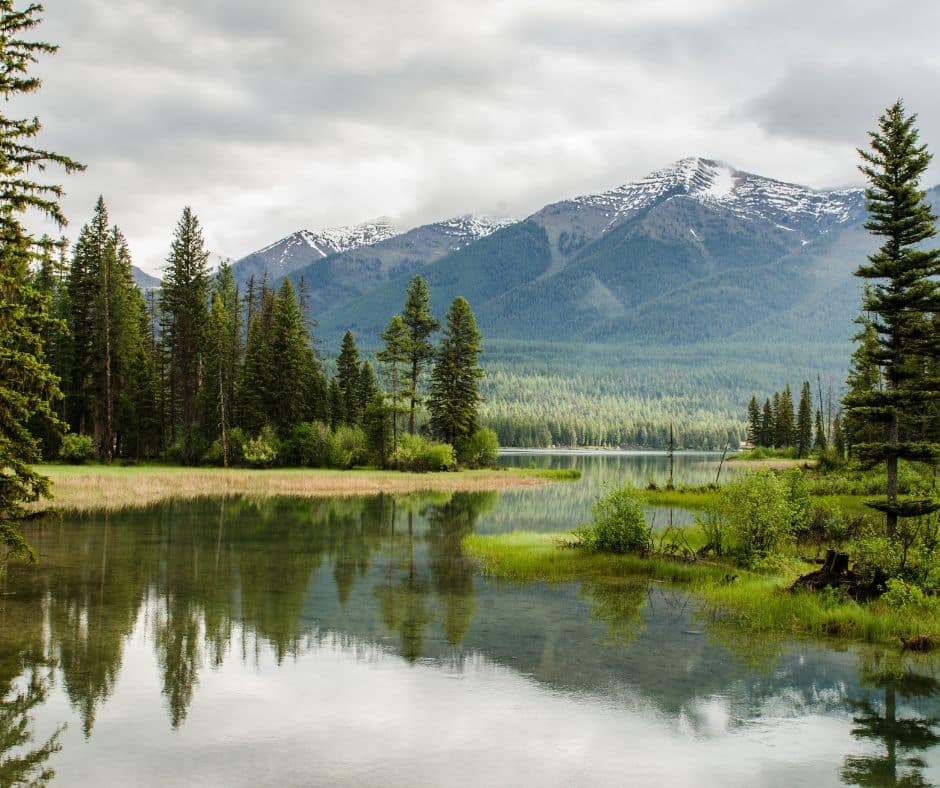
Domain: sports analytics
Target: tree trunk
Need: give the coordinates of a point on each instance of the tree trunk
(891, 525)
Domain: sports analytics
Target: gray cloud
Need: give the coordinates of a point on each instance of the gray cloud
(266, 118)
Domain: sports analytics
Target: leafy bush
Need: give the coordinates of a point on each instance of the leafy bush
(77, 449)
(415, 453)
(480, 450)
(717, 536)
(261, 451)
(756, 509)
(308, 445)
(901, 595)
(348, 447)
(618, 524)
(235, 438)
(799, 501)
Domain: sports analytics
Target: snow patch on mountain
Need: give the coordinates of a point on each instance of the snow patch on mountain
(744, 194)
(469, 228)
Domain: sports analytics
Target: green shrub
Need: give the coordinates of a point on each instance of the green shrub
(348, 447)
(77, 449)
(480, 450)
(756, 509)
(901, 595)
(307, 446)
(716, 533)
(261, 451)
(618, 524)
(415, 453)
(235, 438)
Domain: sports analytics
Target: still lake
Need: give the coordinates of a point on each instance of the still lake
(348, 641)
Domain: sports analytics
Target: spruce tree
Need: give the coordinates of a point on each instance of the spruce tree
(367, 386)
(394, 356)
(420, 324)
(291, 362)
(864, 377)
(347, 377)
(27, 384)
(186, 301)
(216, 393)
(784, 424)
(767, 425)
(804, 422)
(455, 380)
(753, 422)
(254, 380)
(819, 441)
(903, 298)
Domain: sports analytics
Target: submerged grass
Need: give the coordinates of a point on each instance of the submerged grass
(552, 474)
(79, 488)
(754, 601)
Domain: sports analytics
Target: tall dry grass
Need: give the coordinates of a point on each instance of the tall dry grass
(92, 487)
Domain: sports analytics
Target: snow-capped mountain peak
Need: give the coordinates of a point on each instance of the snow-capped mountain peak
(471, 227)
(744, 194)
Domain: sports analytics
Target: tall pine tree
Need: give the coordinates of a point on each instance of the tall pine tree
(186, 302)
(903, 298)
(804, 422)
(454, 399)
(27, 384)
(421, 325)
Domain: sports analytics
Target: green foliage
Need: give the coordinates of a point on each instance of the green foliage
(455, 395)
(349, 447)
(618, 524)
(308, 445)
(901, 295)
(262, 450)
(757, 511)
(415, 453)
(185, 301)
(77, 449)
(480, 450)
(903, 596)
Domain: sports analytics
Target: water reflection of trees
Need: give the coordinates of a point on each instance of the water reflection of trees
(901, 732)
(24, 686)
(196, 575)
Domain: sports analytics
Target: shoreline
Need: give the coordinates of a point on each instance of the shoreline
(86, 488)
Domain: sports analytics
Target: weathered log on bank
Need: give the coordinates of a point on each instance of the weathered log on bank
(835, 573)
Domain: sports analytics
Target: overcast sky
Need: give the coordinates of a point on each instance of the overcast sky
(268, 117)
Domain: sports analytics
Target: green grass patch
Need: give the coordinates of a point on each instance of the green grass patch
(553, 474)
(751, 600)
(694, 498)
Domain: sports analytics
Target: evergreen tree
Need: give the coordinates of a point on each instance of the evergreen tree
(216, 393)
(368, 387)
(185, 299)
(27, 384)
(864, 377)
(347, 377)
(767, 425)
(784, 421)
(291, 362)
(903, 297)
(753, 422)
(254, 384)
(395, 355)
(337, 406)
(420, 324)
(804, 422)
(84, 378)
(838, 436)
(819, 441)
(455, 380)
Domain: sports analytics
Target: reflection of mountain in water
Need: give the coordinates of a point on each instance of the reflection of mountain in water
(208, 582)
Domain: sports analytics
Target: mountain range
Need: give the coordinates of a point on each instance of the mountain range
(691, 252)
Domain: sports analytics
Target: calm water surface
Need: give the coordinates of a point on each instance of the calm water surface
(349, 642)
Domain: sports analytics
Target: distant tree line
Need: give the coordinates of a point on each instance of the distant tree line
(805, 430)
(200, 372)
